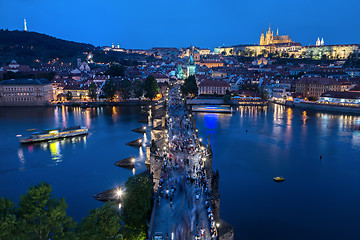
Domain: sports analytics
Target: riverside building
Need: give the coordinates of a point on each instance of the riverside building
(213, 87)
(315, 86)
(26, 92)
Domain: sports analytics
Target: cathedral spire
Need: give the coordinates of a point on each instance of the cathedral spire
(262, 38)
(277, 32)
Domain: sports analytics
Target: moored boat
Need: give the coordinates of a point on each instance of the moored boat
(56, 133)
(279, 179)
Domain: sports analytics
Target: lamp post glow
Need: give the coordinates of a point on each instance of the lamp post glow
(119, 192)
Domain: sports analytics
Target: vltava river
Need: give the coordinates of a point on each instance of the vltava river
(76, 168)
(319, 199)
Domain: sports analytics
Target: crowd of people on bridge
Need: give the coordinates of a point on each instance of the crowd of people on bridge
(183, 173)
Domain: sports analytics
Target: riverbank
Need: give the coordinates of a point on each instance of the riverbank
(211, 101)
(321, 107)
(104, 104)
(89, 104)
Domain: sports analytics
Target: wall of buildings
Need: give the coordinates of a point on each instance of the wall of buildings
(330, 51)
(25, 94)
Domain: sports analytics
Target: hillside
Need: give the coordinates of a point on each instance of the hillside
(26, 47)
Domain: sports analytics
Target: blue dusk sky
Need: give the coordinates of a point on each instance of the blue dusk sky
(174, 23)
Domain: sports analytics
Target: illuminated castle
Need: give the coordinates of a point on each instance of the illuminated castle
(270, 39)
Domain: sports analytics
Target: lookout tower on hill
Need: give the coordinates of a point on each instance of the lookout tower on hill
(25, 26)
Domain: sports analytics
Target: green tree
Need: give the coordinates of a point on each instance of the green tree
(47, 75)
(8, 221)
(137, 201)
(311, 98)
(151, 87)
(102, 223)
(131, 233)
(190, 86)
(263, 93)
(109, 89)
(227, 97)
(43, 216)
(69, 96)
(284, 54)
(115, 70)
(138, 88)
(125, 88)
(250, 87)
(264, 53)
(92, 91)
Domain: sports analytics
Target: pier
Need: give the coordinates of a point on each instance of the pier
(136, 143)
(140, 130)
(126, 163)
(109, 195)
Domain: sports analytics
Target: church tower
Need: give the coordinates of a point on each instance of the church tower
(269, 36)
(322, 42)
(262, 38)
(318, 42)
(191, 67)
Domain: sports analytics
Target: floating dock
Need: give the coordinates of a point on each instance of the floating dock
(212, 109)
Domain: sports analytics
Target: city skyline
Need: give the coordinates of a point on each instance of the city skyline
(179, 120)
(176, 24)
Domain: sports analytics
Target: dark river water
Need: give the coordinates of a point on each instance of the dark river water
(76, 168)
(320, 198)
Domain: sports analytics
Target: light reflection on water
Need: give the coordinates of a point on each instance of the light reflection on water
(55, 150)
(53, 147)
(21, 158)
(77, 168)
(286, 141)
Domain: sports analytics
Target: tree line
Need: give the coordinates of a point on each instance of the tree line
(126, 89)
(40, 215)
